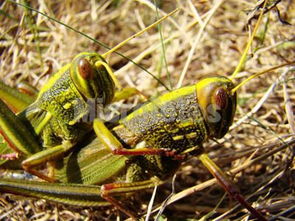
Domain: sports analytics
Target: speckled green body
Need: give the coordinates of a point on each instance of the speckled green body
(66, 105)
(172, 121)
(60, 106)
(63, 101)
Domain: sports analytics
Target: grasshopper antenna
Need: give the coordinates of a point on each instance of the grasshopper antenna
(139, 33)
(260, 73)
(102, 44)
(121, 44)
(244, 55)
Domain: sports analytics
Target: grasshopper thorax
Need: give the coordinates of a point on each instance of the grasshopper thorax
(217, 103)
(90, 74)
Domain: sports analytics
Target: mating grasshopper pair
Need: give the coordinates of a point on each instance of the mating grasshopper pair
(60, 106)
(172, 127)
(164, 126)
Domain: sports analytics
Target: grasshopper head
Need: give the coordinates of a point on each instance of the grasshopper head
(92, 80)
(217, 103)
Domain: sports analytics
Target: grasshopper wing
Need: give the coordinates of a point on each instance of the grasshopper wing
(90, 163)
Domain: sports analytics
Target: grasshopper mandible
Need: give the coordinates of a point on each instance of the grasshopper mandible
(60, 106)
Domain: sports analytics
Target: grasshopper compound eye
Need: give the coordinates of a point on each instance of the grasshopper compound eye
(85, 69)
(221, 98)
(83, 74)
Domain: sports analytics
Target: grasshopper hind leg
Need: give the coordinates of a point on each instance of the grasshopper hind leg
(229, 187)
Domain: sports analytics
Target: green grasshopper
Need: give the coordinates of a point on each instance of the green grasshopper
(145, 148)
(144, 152)
(55, 116)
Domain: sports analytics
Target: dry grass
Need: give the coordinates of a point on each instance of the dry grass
(31, 46)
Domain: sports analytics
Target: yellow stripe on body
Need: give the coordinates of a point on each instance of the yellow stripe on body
(191, 135)
(161, 101)
(178, 137)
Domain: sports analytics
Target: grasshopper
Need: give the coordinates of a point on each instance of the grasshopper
(60, 106)
(144, 148)
(117, 150)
